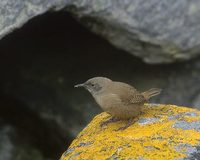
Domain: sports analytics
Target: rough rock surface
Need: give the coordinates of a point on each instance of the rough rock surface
(162, 132)
(14, 145)
(41, 62)
(26, 136)
(157, 31)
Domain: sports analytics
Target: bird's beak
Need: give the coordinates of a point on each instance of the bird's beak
(79, 85)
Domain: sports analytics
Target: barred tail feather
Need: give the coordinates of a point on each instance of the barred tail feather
(152, 92)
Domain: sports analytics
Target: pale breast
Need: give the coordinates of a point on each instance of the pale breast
(108, 101)
(112, 104)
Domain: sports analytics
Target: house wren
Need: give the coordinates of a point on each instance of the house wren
(119, 99)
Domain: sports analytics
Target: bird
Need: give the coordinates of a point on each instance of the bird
(121, 100)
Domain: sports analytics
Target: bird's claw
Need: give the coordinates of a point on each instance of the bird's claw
(130, 122)
(111, 120)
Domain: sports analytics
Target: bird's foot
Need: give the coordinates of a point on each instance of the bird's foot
(130, 122)
(111, 120)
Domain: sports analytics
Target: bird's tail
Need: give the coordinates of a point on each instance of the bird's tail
(152, 92)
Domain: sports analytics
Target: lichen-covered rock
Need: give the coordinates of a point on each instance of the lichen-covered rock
(157, 31)
(161, 132)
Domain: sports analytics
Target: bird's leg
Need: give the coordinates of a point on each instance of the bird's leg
(111, 120)
(130, 122)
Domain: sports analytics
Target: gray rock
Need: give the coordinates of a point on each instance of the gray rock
(6, 145)
(145, 121)
(187, 125)
(189, 114)
(192, 152)
(43, 71)
(39, 67)
(13, 148)
(26, 136)
(156, 31)
(182, 86)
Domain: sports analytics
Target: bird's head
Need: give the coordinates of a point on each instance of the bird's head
(95, 85)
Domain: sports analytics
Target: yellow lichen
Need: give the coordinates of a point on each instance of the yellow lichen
(154, 141)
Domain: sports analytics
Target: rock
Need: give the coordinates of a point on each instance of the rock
(6, 145)
(14, 146)
(156, 31)
(39, 66)
(14, 13)
(26, 136)
(182, 85)
(161, 132)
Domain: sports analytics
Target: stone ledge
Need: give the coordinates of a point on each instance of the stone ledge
(162, 132)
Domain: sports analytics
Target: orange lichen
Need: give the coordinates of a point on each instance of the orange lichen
(156, 140)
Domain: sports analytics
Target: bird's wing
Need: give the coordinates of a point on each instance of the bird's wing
(135, 98)
(128, 94)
